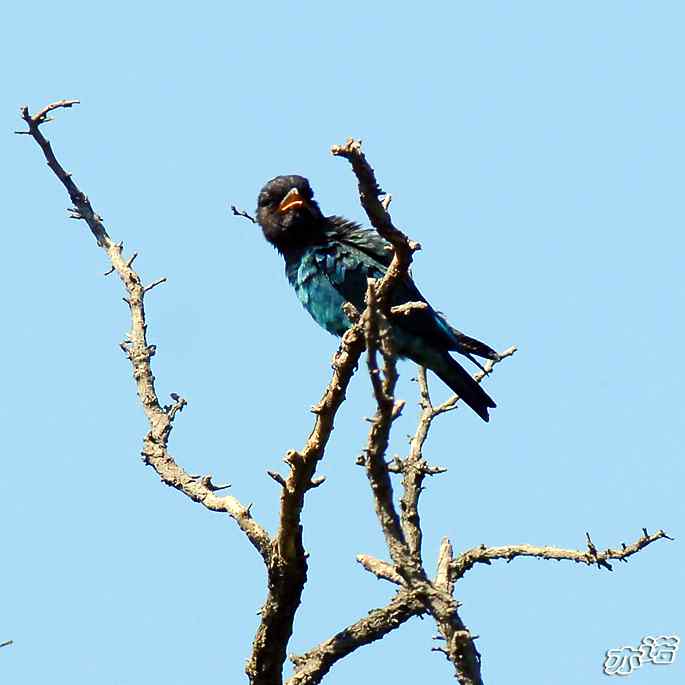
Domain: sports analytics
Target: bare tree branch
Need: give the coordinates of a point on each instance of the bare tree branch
(377, 211)
(459, 647)
(310, 668)
(485, 555)
(287, 568)
(284, 555)
(377, 334)
(139, 352)
(415, 468)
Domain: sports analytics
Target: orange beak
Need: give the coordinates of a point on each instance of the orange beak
(293, 200)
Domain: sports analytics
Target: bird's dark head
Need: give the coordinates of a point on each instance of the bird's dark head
(288, 213)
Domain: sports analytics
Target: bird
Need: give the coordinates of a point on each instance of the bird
(328, 260)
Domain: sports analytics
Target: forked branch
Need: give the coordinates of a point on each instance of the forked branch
(459, 645)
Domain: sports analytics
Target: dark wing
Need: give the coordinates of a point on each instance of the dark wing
(363, 239)
(348, 269)
(364, 253)
(355, 254)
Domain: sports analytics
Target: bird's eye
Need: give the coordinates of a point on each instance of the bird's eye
(264, 201)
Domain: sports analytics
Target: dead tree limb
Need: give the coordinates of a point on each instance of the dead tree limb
(591, 557)
(139, 352)
(459, 647)
(287, 568)
(310, 668)
(283, 554)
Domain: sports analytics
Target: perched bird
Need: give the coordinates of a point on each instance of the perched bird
(328, 260)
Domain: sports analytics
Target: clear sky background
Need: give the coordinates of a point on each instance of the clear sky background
(535, 149)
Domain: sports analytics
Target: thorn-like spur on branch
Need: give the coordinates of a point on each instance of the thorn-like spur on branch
(380, 569)
(6, 643)
(443, 577)
(177, 406)
(154, 284)
(160, 419)
(317, 481)
(242, 213)
(351, 312)
(274, 475)
(408, 308)
(310, 668)
(207, 482)
(485, 555)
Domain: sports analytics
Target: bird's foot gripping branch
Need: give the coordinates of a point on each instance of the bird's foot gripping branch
(373, 320)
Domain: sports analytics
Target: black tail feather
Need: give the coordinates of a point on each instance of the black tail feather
(472, 346)
(463, 384)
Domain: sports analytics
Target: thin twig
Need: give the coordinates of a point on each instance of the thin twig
(242, 213)
(489, 365)
(154, 284)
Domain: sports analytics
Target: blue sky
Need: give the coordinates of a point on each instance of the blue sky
(534, 149)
